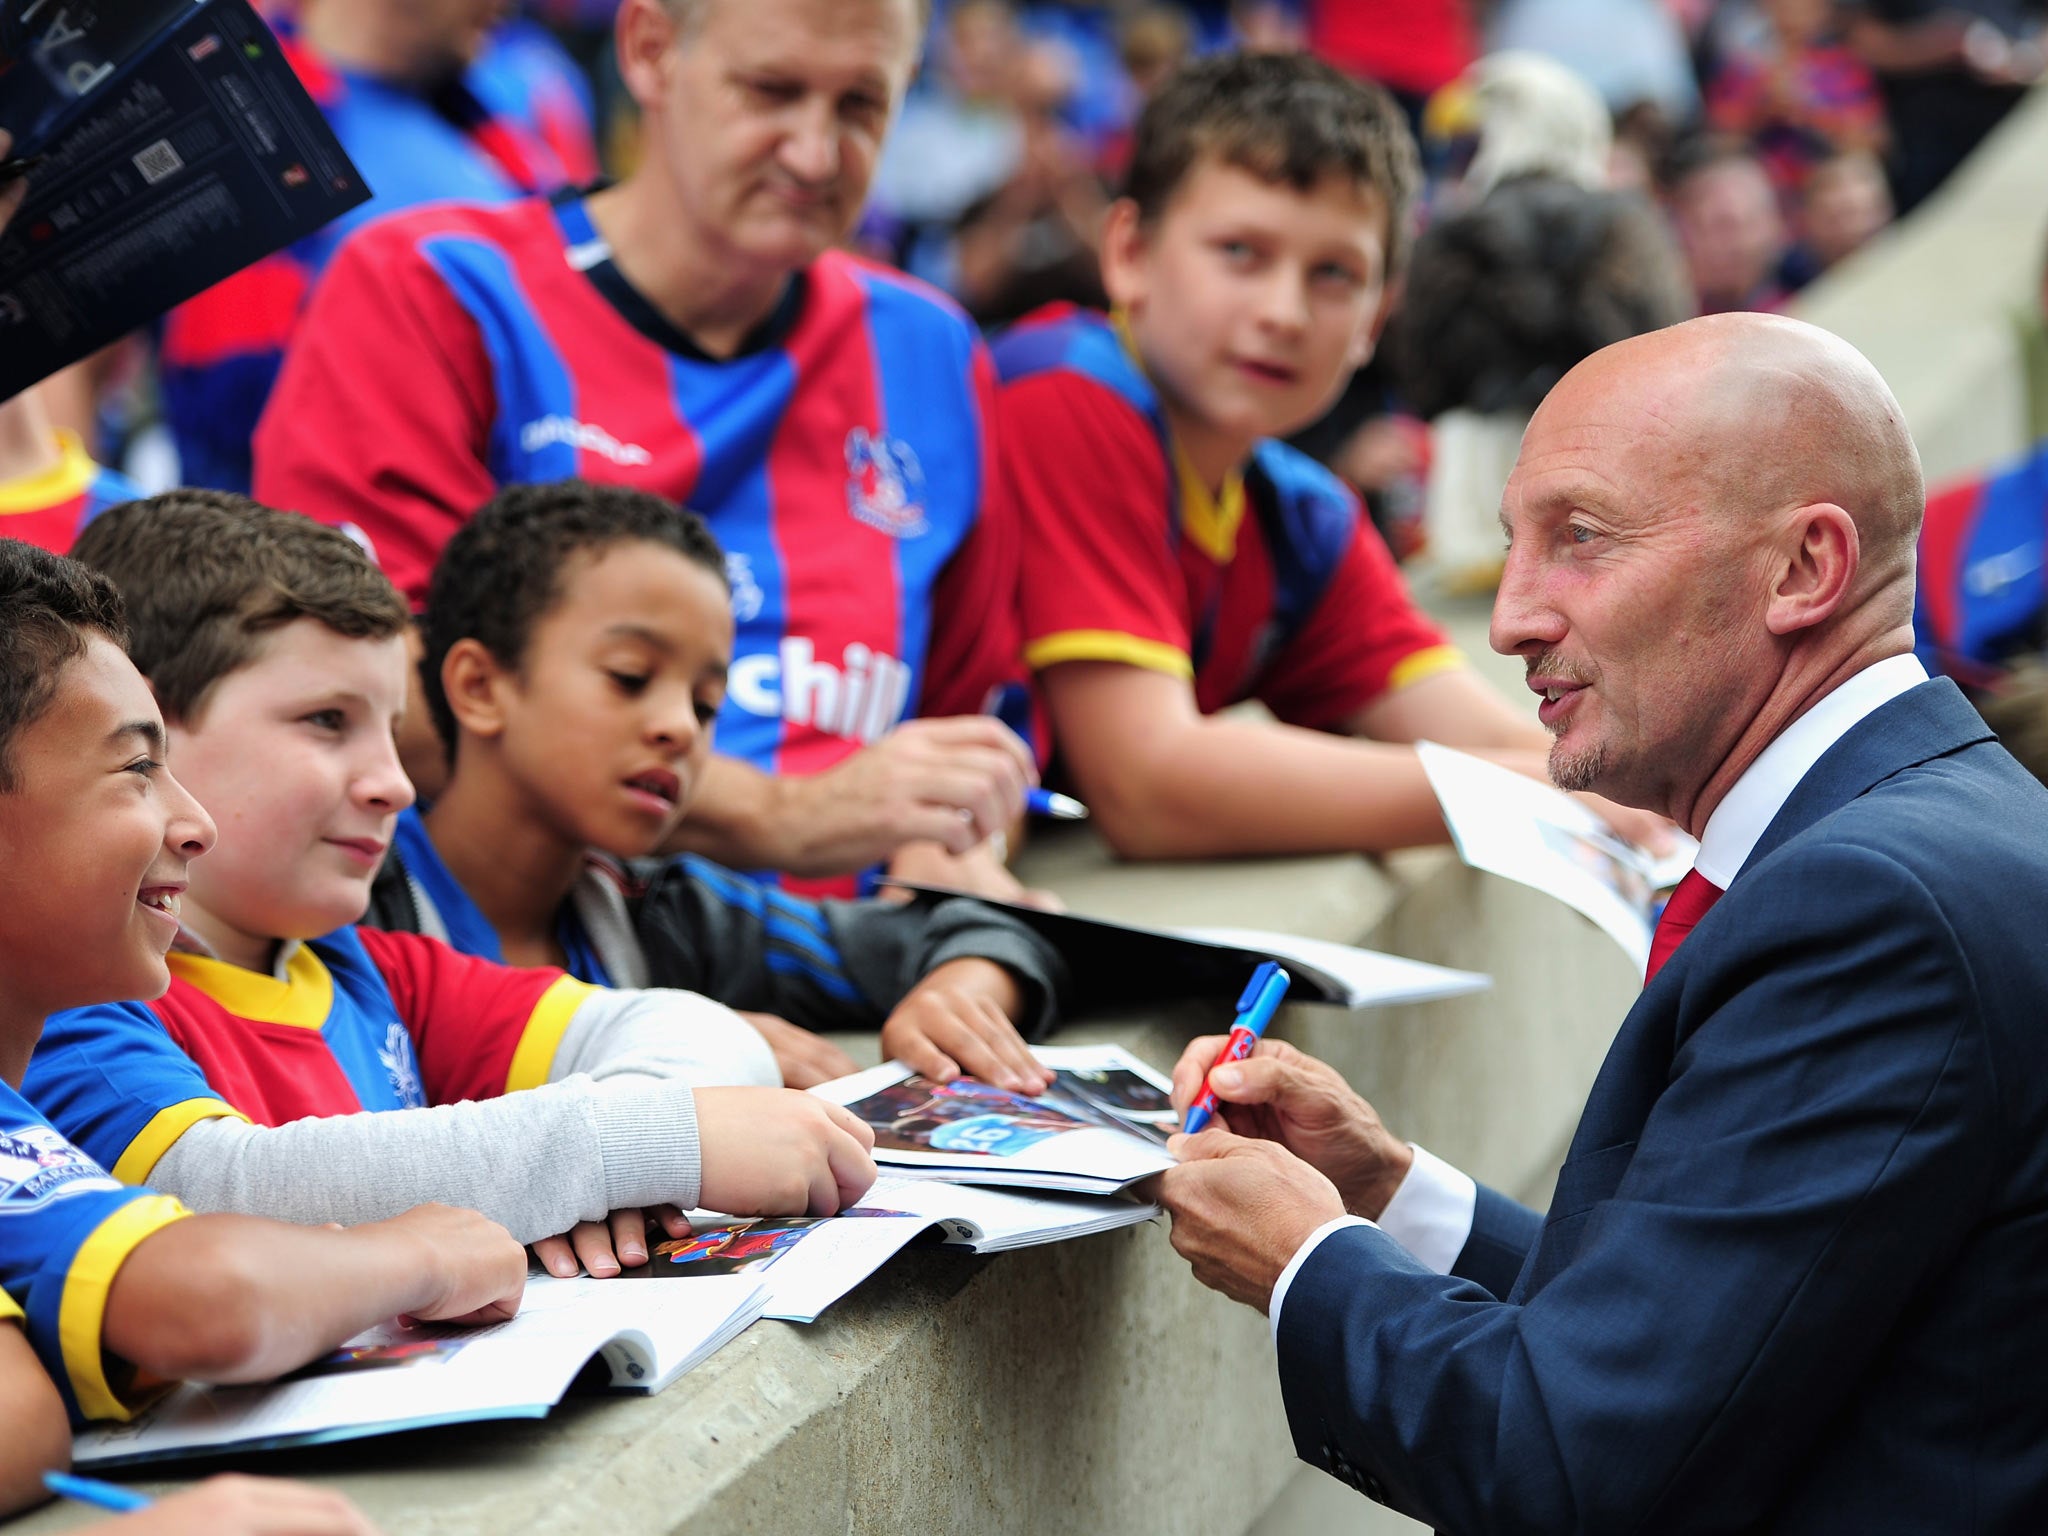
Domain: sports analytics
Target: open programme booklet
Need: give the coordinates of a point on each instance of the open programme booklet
(401, 1376)
(809, 1262)
(169, 145)
(1100, 1128)
(1126, 964)
(1510, 825)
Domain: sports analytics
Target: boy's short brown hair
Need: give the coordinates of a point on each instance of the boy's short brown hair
(207, 574)
(1284, 117)
(49, 608)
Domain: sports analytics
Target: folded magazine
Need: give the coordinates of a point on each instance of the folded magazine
(1100, 1128)
(402, 1375)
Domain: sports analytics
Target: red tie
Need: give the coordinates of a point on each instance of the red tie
(1688, 904)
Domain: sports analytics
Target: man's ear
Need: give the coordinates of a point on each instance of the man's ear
(475, 684)
(645, 38)
(1819, 557)
(1123, 253)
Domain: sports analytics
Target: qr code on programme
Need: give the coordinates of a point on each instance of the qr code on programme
(158, 161)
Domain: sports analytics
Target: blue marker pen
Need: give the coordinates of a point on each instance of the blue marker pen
(1255, 1010)
(1043, 802)
(90, 1490)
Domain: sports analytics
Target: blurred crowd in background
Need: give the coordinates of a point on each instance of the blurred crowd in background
(1595, 167)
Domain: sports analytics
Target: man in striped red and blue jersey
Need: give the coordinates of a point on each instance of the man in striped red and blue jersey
(693, 331)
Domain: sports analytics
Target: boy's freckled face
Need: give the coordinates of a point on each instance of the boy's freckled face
(98, 837)
(1252, 302)
(294, 754)
(607, 727)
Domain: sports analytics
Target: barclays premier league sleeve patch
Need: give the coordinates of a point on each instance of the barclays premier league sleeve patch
(37, 1166)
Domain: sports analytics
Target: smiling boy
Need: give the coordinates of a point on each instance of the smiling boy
(277, 652)
(1181, 560)
(118, 1289)
(578, 639)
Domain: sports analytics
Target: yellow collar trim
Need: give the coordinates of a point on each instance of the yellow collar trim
(70, 476)
(303, 998)
(1210, 520)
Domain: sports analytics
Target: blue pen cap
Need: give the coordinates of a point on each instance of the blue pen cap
(1257, 984)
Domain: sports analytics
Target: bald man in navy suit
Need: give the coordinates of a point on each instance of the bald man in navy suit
(1795, 1273)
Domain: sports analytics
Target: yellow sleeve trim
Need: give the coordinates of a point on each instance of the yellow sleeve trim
(69, 477)
(545, 1027)
(9, 1312)
(1107, 645)
(147, 1150)
(82, 1315)
(1411, 670)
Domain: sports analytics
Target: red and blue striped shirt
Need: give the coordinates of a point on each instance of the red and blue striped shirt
(844, 458)
(1279, 591)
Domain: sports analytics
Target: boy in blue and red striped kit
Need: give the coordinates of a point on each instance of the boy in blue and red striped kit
(427, 115)
(303, 1068)
(694, 332)
(1182, 560)
(107, 1294)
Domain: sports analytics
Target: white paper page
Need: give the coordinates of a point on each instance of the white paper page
(971, 1130)
(401, 1377)
(1367, 976)
(977, 1216)
(1536, 834)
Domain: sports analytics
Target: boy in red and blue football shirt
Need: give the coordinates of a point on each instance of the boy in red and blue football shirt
(1180, 560)
(427, 115)
(117, 1291)
(695, 332)
(304, 1068)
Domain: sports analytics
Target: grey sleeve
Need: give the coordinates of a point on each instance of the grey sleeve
(664, 1034)
(537, 1162)
(615, 1127)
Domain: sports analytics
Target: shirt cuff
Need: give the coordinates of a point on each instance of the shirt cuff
(1431, 1213)
(1279, 1296)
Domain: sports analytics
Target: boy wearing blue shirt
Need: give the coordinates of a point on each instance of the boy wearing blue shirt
(278, 654)
(116, 1290)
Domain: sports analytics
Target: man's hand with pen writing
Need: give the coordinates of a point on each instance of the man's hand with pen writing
(1241, 1208)
(1282, 1095)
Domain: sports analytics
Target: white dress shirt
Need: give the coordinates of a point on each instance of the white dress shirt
(1430, 1215)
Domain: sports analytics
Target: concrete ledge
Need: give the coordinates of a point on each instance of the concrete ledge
(1089, 1386)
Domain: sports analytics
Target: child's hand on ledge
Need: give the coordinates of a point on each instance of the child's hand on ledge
(957, 1020)
(603, 1248)
(806, 1059)
(775, 1152)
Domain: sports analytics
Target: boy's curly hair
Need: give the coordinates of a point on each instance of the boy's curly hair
(502, 572)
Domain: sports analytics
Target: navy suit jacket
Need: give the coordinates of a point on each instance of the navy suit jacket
(1795, 1273)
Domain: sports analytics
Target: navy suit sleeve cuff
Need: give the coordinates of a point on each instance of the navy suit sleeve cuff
(1503, 1232)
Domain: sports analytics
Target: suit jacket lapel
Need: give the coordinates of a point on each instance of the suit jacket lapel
(1930, 721)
